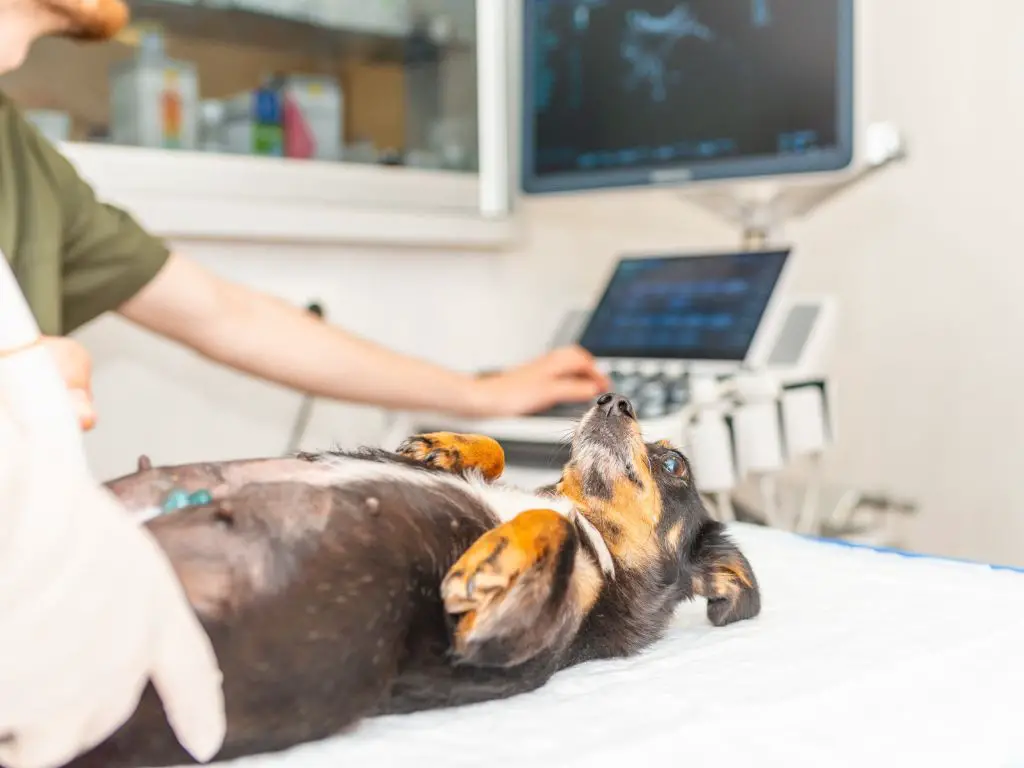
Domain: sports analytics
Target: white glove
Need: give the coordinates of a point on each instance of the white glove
(90, 608)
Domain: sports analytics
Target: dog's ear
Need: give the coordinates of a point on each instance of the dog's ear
(723, 575)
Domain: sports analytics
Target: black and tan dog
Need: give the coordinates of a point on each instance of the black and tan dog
(340, 586)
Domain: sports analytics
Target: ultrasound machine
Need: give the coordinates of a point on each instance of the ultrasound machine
(663, 318)
(747, 108)
(695, 342)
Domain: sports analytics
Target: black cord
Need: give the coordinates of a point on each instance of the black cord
(302, 418)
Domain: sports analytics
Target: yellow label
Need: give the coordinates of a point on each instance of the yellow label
(170, 76)
(130, 35)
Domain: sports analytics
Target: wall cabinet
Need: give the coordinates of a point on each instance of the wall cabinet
(331, 103)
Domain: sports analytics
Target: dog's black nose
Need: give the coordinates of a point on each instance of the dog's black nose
(614, 405)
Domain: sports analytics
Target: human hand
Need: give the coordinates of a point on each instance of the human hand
(75, 368)
(568, 374)
(92, 609)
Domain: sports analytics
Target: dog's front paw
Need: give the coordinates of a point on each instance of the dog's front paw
(456, 453)
(509, 589)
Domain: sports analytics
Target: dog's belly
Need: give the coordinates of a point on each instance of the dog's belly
(148, 488)
(347, 599)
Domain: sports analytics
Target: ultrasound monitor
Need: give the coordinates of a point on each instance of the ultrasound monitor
(647, 92)
(699, 309)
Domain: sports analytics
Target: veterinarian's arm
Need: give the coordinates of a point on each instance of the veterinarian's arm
(269, 338)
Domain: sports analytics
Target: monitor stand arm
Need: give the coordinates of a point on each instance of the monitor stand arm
(760, 209)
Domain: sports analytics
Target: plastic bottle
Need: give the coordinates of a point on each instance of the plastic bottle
(268, 119)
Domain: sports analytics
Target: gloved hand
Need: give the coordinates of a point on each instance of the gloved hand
(75, 368)
(90, 608)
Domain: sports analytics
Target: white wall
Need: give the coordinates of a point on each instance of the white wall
(157, 398)
(924, 258)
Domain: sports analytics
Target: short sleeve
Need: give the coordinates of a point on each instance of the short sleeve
(107, 256)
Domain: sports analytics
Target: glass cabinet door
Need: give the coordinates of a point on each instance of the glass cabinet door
(354, 81)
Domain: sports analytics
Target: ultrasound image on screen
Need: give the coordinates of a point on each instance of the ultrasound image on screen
(702, 308)
(661, 83)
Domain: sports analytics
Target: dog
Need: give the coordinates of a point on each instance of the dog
(339, 586)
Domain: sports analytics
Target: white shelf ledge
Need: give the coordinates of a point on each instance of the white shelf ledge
(203, 196)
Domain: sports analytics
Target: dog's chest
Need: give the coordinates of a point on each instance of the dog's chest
(506, 502)
(503, 502)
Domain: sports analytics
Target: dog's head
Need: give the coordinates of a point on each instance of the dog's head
(640, 496)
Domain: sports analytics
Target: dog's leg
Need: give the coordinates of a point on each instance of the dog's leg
(457, 453)
(521, 589)
(724, 576)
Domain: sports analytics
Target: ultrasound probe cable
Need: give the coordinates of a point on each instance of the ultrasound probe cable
(305, 413)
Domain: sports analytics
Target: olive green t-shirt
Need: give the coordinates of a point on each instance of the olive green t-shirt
(73, 256)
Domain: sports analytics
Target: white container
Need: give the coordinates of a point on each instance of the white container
(320, 102)
(237, 135)
(211, 126)
(238, 124)
(154, 101)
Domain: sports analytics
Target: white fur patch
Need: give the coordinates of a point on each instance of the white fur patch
(504, 501)
(604, 555)
(507, 502)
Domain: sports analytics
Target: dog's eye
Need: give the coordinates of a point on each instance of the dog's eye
(673, 464)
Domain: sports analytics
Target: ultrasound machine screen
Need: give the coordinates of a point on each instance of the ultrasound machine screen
(694, 308)
(626, 92)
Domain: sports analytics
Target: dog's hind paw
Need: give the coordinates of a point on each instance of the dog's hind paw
(456, 453)
(511, 592)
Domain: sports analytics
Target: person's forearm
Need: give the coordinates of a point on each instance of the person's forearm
(273, 340)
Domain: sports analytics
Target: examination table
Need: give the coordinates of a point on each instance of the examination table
(860, 657)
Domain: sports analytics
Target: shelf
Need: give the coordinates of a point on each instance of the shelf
(192, 196)
(301, 33)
